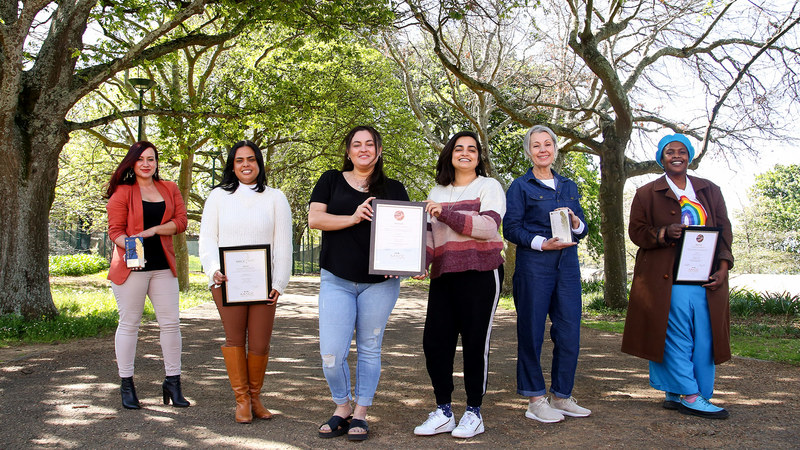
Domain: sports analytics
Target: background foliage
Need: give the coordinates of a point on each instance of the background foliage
(76, 265)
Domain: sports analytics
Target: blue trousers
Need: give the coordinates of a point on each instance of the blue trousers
(688, 364)
(547, 283)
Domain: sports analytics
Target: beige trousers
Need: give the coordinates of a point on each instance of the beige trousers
(162, 289)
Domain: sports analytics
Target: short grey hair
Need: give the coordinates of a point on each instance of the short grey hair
(526, 141)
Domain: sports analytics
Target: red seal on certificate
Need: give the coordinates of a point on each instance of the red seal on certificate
(398, 215)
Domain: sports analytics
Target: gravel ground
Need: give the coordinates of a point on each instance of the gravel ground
(66, 395)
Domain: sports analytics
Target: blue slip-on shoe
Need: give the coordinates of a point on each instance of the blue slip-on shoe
(672, 401)
(702, 408)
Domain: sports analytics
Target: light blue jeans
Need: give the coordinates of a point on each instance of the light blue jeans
(345, 306)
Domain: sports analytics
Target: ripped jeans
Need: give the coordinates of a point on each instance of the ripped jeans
(345, 306)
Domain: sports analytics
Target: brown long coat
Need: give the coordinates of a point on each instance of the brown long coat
(655, 207)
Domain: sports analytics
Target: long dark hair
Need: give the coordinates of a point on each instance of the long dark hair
(445, 172)
(124, 173)
(377, 179)
(229, 180)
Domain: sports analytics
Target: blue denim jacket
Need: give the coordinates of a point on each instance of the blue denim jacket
(528, 206)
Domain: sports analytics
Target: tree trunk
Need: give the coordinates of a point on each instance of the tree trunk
(28, 176)
(612, 227)
(179, 240)
(508, 268)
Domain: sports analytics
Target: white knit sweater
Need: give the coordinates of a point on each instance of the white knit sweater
(246, 217)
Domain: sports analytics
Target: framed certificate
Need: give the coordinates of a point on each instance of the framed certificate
(397, 238)
(249, 272)
(696, 250)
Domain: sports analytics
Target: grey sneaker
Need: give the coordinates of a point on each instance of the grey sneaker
(437, 423)
(569, 407)
(469, 425)
(542, 411)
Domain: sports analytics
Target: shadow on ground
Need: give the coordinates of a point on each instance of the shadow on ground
(67, 395)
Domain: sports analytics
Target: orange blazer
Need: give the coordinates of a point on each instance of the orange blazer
(125, 216)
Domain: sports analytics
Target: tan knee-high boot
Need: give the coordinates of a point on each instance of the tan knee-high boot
(256, 366)
(236, 364)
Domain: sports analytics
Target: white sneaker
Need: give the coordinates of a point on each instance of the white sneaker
(469, 425)
(569, 407)
(542, 411)
(437, 423)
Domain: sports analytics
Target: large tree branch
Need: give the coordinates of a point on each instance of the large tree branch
(88, 79)
(585, 45)
(74, 126)
(742, 72)
(13, 33)
(109, 143)
(277, 45)
(411, 95)
(694, 49)
(503, 103)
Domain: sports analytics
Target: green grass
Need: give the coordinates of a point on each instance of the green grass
(610, 326)
(771, 349)
(410, 282)
(194, 264)
(86, 308)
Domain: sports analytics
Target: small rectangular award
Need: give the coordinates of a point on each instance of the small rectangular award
(134, 252)
(560, 225)
(397, 238)
(696, 250)
(249, 272)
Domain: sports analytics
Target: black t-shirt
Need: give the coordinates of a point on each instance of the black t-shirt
(152, 213)
(345, 252)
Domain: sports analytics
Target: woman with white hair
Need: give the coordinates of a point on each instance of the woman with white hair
(547, 279)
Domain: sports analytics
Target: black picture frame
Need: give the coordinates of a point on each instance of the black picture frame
(682, 249)
(264, 251)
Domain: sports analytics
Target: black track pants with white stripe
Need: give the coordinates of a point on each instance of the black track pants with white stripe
(461, 303)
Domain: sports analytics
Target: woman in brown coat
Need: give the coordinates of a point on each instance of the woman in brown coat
(684, 330)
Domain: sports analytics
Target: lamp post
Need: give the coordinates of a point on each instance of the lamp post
(142, 84)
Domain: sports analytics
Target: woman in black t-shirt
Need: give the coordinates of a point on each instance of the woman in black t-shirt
(350, 299)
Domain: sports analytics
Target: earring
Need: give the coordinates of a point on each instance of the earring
(348, 157)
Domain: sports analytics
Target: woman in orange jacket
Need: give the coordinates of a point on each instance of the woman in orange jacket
(140, 204)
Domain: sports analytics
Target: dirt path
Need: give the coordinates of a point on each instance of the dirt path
(67, 395)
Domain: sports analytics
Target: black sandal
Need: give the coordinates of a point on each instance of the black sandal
(338, 425)
(358, 423)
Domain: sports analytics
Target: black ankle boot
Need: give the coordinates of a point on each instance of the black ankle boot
(172, 390)
(128, 391)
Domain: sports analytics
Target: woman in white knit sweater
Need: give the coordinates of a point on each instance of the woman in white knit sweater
(242, 210)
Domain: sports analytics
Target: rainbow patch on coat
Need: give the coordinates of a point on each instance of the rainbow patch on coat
(692, 213)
